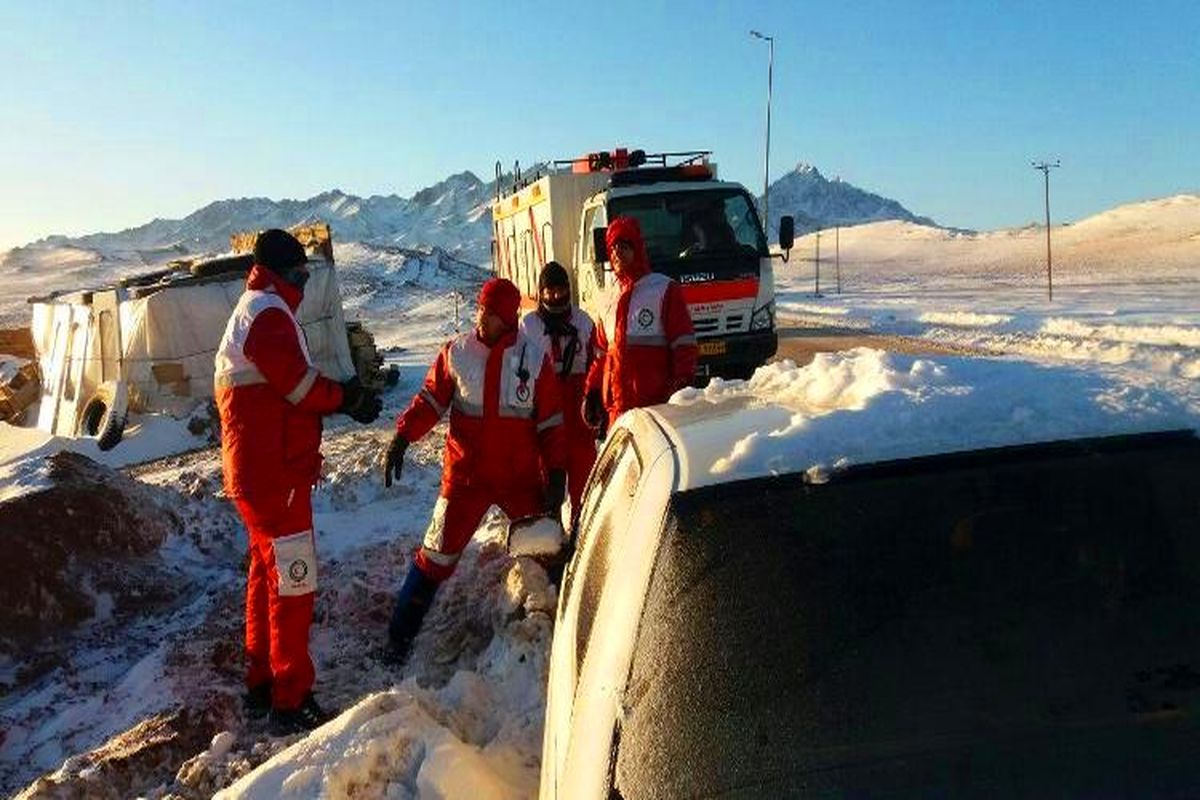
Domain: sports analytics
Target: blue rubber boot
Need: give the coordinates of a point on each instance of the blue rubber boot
(412, 603)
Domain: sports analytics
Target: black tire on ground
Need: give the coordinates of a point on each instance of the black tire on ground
(105, 414)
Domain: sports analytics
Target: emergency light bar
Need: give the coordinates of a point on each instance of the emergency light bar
(685, 172)
(624, 159)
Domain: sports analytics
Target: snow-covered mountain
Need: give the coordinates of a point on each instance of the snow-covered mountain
(451, 215)
(817, 202)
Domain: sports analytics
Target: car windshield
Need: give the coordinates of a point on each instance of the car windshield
(1021, 623)
(713, 231)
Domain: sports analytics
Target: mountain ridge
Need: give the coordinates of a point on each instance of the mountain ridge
(450, 215)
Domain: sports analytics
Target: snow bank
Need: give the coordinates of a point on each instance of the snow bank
(963, 318)
(866, 406)
(479, 735)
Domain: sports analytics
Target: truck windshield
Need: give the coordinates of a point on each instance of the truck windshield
(1014, 624)
(713, 230)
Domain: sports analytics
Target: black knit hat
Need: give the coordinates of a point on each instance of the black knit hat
(553, 274)
(278, 251)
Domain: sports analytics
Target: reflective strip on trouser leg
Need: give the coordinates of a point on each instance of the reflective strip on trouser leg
(455, 518)
(434, 559)
(296, 564)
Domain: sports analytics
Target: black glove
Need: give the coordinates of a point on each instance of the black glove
(359, 403)
(393, 462)
(556, 490)
(594, 413)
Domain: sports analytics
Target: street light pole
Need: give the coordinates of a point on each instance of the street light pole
(770, 40)
(817, 261)
(837, 255)
(1045, 167)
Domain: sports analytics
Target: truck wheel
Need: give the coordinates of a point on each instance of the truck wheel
(105, 414)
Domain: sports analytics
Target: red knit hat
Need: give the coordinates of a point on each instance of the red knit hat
(627, 229)
(502, 298)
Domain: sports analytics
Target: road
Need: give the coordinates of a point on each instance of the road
(801, 344)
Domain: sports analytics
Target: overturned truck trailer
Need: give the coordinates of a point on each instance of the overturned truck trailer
(147, 344)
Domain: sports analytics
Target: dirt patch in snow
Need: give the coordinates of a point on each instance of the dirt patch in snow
(124, 764)
(85, 545)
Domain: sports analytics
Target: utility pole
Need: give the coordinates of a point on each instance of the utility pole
(1045, 167)
(837, 255)
(817, 261)
(770, 40)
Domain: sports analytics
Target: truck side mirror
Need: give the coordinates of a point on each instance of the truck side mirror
(600, 245)
(787, 232)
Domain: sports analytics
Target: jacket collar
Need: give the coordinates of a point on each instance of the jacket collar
(262, 279)
(506, 340)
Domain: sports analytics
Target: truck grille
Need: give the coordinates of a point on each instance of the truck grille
(716, 325)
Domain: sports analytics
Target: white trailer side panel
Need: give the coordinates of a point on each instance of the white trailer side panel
(540, 223)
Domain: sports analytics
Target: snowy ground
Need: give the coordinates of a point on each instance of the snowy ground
(464, 718)
(1126, 288)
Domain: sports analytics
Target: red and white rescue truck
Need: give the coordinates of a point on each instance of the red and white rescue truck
(702, 232)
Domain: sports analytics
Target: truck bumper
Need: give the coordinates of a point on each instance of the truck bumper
(735, 355)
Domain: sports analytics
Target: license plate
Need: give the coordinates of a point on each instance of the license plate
(712, 348)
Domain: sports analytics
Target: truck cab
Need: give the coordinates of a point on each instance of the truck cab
(706, 235)
(702, 232)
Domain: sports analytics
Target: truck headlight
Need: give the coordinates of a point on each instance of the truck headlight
(763, 318)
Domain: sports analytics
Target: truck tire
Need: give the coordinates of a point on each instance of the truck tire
(105, 414)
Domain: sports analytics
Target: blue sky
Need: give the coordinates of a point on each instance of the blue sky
(114, 113)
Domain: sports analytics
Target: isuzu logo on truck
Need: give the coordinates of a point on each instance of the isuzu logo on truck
(703, 232)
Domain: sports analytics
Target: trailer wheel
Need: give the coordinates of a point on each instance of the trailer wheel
(105, 414)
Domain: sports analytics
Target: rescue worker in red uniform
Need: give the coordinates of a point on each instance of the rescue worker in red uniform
(271, 400)
(504, 447)
(645, 344)
(569, 336)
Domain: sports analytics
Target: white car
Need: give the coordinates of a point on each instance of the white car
(744, 617)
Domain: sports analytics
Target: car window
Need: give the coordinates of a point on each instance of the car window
(606, 511)
(1020, 625)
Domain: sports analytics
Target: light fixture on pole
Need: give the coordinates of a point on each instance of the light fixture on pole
(770, 40)
(1045, 167)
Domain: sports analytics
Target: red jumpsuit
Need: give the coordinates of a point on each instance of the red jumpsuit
(645, 344)
(271, 399)
(506, 433)
(578, 344)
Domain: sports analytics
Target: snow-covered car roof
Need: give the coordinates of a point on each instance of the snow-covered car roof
(866, 406)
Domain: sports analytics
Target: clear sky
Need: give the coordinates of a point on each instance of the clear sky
(113, 113)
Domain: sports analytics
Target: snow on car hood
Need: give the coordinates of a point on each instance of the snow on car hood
(862, 406)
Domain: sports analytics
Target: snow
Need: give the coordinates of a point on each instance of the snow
(543, 536)
(867, 406)
(23, 450)
(476, 736)
(1117, 350)
(9, 366)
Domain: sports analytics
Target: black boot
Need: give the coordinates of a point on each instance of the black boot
(256, 701)
(309, 715)
(412, 603)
